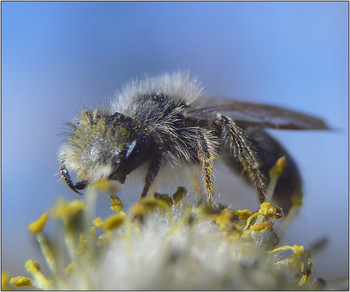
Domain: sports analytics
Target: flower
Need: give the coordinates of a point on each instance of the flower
(168, 242)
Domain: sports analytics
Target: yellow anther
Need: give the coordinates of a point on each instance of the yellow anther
(138, 209)
(304, 279)
(180, 193)
(277, 169)
(5, 278)
(68, 269)
(298, 250)
(113, 222)
(243, 214)
(165, 198)
(98, 222)
(21, 281)
(225, 217)
(64, 209)
(32, 266)
(149, 202)
(269, 210)
(261, 227)
(40, 280)
(117, 204)
(37, 225)
(83, 244)
(106, 186)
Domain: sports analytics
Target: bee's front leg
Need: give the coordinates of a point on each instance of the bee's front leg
(152, 172)
(74, 187)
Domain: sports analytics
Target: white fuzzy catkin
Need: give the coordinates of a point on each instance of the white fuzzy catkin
(196, 257)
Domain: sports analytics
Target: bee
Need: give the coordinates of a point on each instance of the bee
(165, 122)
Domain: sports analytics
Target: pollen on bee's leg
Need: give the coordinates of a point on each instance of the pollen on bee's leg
(207, 170)
(243, 152)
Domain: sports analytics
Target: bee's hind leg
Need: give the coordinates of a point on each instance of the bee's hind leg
(242, 150)
(206, 159)
(288, 190)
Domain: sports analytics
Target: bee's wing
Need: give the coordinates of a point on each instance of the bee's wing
(253, 114)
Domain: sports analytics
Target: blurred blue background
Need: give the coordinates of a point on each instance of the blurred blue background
(57, 57)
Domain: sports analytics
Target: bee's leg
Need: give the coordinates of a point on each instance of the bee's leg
(206, 159)
(152, 172)
(244, 153)
(289, 184)
(74, 187)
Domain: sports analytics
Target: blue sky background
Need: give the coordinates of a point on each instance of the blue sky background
(59, 56)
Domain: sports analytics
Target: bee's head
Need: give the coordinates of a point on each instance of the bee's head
(103, 146)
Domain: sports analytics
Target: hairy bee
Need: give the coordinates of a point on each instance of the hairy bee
(165, 121)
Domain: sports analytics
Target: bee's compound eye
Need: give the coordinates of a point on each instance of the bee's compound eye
(130, 148)
(130, 157)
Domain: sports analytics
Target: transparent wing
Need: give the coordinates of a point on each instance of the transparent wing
(253, 114)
